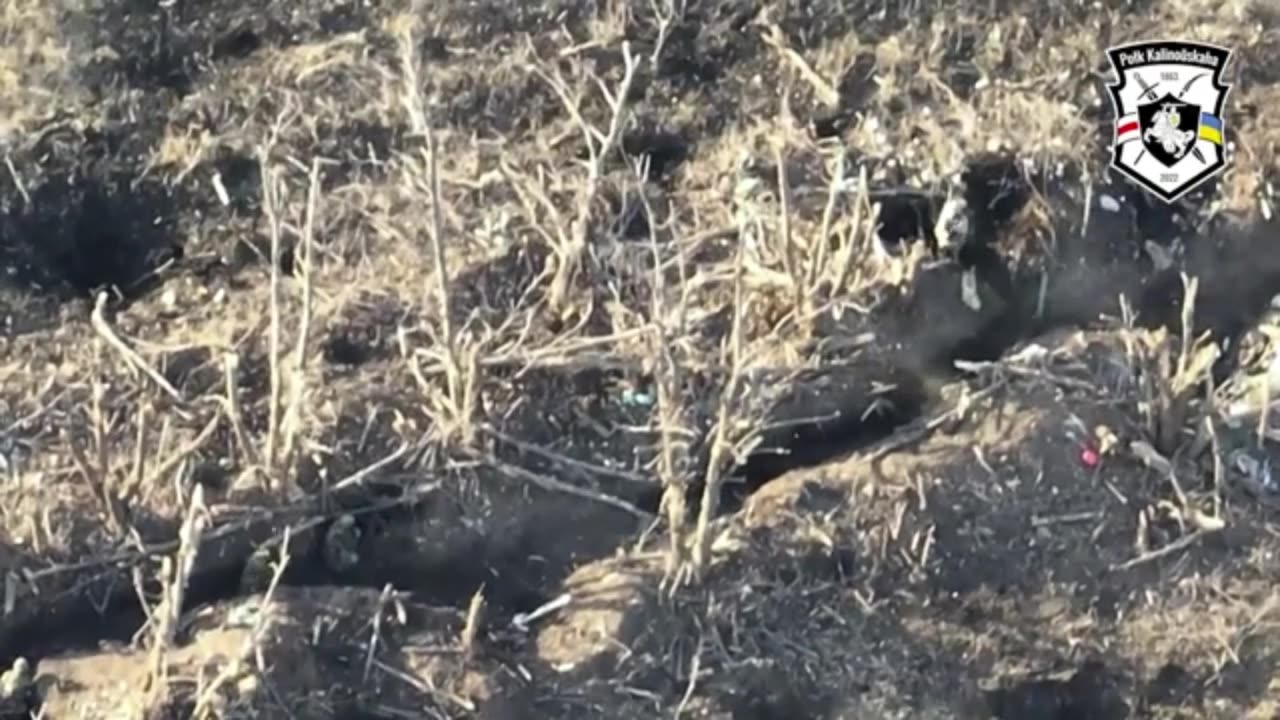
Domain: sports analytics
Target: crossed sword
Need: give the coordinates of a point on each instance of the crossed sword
(1149, 93)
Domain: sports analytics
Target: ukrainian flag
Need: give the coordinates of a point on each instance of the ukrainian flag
(1211, 128)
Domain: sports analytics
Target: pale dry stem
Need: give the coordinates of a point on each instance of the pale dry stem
(270, 207)
(853, 249)
(375, 632)
(98, 473)
(235, 413)
(668, 17)
(671, 412)
(205, 702)
(471, 628)
(723, 442)
(297, 372)
(822, 88)
(175, 574)
(454, 413)
(599, 146)
(1167, 384)
(801, 297)
(99, 322)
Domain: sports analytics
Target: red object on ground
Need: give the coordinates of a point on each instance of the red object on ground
(1090, 457)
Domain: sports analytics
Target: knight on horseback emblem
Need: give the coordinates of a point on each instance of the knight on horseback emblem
(1169, 102)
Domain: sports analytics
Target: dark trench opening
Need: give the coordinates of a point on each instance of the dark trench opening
(852, 413)
(510, 584)
(78, 237)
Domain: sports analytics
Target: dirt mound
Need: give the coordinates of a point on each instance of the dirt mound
(917, 584)
(302, 651)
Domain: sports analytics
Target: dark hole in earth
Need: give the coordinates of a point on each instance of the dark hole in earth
(830, 123)
(510, 587)
(830, 414)
(1092, 692)
(906, 214)
(82, 236)
(166, 69)
(856, 84)
(630, 216)
(241, 178)
(343, 349)
(433, 48)
(995, 189)
(239, 43)
(664, 150)
(685, 57)
(1172, 685)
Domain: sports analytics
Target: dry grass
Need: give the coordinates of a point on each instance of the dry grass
(365, 185)
(36, 63)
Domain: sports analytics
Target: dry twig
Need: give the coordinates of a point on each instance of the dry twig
(552, 485)
(175, 573)
(471, 628)
(822, 88)
(297, 379)
(271, 208)
(252, 643)
(104, 330)
(455, 412)
(599, 146)
(725, 447)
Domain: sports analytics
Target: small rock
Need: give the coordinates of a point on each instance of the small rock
(15, 684)
(1109, 203)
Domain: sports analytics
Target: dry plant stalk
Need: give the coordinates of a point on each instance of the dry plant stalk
(671, 412)
(724, 444)
(287, 373)
(175, 574)
(819, 248)
(822, 89)
(139, 475)
(207, 699)
(99, 472)
(1168, 384)
(471, 628)
(853, 249)
(297, 378)
(815, 274)
(270, 207)
(415, 106)
(375, 633)
(117, 488)
(801, 297)
(99, 322)
(174, 461)
(675, 486)
(667, 18)
(1195, 359)
(235, 413)
(456, 411)
(599, 146)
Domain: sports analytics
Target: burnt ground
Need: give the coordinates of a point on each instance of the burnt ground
(909, 536)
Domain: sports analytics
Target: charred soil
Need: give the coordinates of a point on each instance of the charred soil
(1018, 470)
